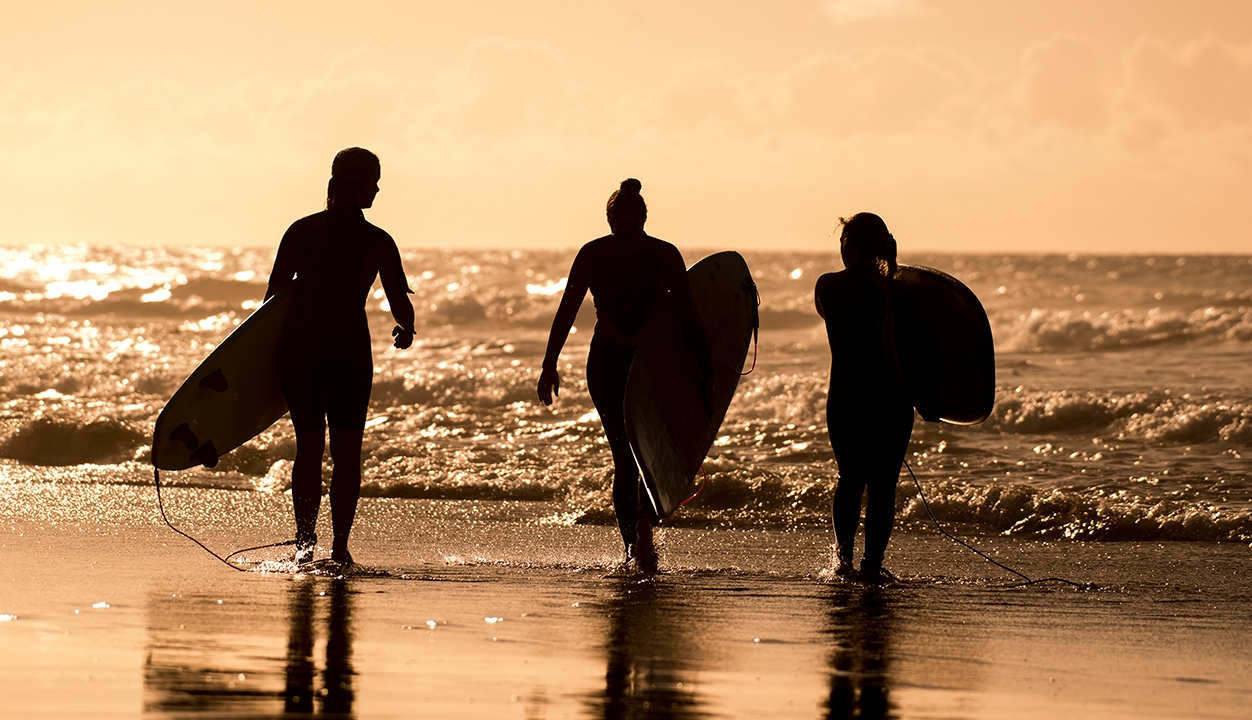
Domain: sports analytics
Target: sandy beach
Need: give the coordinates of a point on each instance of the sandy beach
(491, 609)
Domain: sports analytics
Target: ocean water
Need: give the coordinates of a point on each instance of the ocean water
(1123, 403)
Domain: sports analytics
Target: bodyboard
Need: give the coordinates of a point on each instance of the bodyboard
(669, 422)
(944, 343)
(231, 397)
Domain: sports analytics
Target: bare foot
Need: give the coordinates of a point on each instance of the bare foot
(304, 550)
(645, 549)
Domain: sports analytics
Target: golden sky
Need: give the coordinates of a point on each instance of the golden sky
(969, 125)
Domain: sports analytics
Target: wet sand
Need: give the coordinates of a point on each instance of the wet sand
(490, 609)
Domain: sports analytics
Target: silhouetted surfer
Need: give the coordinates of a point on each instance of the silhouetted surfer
(325, 359)
(868, 413)
(628, 272)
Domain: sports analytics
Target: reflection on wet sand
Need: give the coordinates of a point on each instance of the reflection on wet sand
(206, 657)
(647, 671)
(860, 630)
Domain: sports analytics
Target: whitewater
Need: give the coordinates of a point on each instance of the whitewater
(1123, 403)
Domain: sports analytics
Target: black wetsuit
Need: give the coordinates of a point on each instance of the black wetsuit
(868, 413)
(325, 361)
(627, 276)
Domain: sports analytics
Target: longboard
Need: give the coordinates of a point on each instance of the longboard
(669, 422)
(945, 347)
(231, 397)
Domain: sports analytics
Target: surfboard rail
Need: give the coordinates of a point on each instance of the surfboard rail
(231, 397)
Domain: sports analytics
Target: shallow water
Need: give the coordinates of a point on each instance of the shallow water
(480, 609)
(1123, 409)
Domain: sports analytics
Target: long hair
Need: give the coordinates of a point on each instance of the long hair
(627, 202)
(867, 234)
(350, 168)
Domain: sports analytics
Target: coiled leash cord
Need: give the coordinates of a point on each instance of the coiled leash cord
(749, 372)
(980, 553)
(704, 478)
(156, 478)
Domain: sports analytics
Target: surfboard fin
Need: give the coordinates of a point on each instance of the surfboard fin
(184, 435)
(205, 455)
(215, 381)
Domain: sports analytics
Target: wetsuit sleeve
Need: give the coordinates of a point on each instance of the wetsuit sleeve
(685, 307)
(822, 283)
(396, 285)
(284, 270)
(576, 286)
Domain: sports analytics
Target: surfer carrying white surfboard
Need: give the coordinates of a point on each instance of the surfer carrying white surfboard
(325, 359)
(628, 273)
(869, 414)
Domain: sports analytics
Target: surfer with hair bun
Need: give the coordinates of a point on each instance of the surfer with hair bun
(869, 415)
(628, 273)
(325, 359)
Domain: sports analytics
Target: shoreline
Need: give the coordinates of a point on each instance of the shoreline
(1161, 632)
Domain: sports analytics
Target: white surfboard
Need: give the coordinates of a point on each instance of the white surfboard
(231, 397)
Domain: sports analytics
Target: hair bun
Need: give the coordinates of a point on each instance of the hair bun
(631, 186)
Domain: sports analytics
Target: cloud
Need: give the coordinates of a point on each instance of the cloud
(847, 11)
(740, 156)
(503, 89)
(1206, 83)
(1063, 81)
(879, 93)
(702, 98)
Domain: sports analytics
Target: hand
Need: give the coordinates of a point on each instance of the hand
(549, 386)
(404, 338)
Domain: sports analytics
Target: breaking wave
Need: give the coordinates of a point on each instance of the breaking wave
(1157, 416)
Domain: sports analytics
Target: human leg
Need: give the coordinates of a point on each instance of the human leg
(306, 488)
(846, 513)
(345, 486)
(848, 445)
(608, 365)
(889, 449)
(305, 401)
(880, 513)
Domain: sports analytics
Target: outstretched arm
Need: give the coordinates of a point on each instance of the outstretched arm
(576, 287)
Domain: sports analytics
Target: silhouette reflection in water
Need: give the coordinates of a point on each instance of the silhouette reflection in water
(336, 691)
(647, 645)
(860, 630)
(206, 657)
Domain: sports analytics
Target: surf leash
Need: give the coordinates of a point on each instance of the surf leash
(156, 478)
(704, 478)
(1026, 580)
(756, 325)
(749, 372)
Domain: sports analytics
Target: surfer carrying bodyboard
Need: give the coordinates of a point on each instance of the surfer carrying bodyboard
(869, 413)
(629, 274)
(325, 361)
